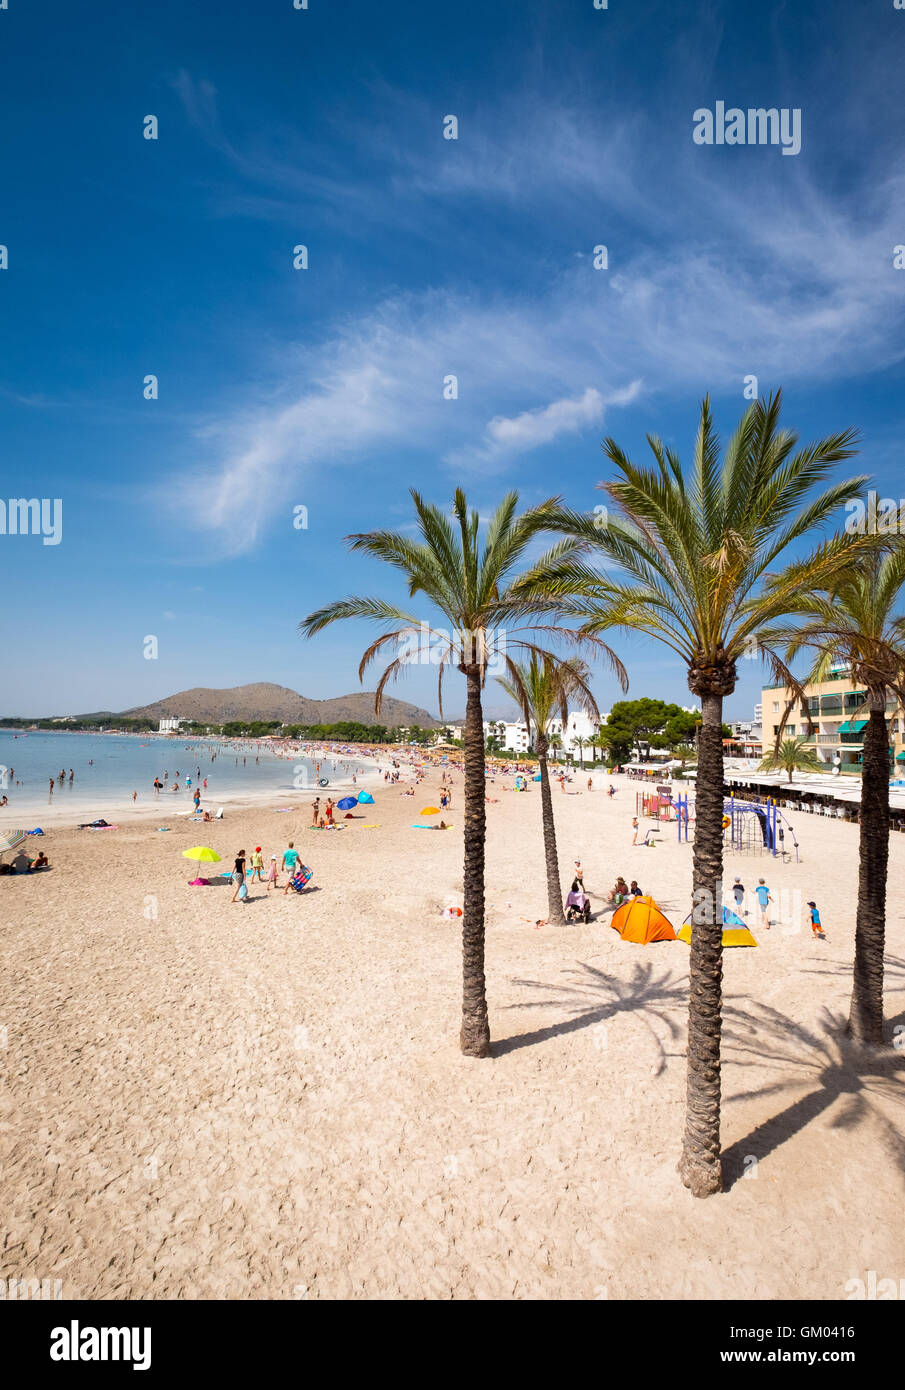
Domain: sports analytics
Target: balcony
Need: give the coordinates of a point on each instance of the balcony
(831, 704)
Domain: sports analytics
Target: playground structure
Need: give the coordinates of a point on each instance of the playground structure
(748, 828)
(655, 805)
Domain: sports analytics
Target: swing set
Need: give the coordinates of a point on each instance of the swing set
(748, 828)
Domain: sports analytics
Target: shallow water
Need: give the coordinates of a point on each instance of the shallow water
(109, 767)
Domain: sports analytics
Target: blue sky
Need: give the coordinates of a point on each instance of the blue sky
(323, 388)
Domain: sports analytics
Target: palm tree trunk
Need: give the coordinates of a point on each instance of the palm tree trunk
(554, 887)
(700, 1166)
(866, 1016)
(475, 1036)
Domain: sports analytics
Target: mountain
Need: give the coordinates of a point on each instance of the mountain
(266, 701)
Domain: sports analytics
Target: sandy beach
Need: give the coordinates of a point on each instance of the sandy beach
(206, 1099)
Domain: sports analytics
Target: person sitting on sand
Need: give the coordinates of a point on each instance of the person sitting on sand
(619, 892)
(634, 890)
(207, 817)
(42, 862)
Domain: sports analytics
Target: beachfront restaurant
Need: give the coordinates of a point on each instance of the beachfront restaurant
(814, 794)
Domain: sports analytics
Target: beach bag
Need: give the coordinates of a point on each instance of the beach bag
(243, 892)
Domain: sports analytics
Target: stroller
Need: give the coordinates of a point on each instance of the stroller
(578, 906)
(301, 878)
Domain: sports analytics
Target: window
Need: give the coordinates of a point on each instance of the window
(775, 708)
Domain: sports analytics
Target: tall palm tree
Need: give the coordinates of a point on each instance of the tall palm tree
(854, 620)
(542, 688)
(554, 743)
(476, 588)
(691, 551)
(792, 755)
(579, 744)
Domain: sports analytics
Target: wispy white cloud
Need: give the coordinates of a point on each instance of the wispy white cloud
(795, 290)
(506, 437)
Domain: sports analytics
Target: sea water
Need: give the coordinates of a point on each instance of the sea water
(109, 767)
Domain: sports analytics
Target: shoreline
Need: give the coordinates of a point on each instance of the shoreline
(42, 811)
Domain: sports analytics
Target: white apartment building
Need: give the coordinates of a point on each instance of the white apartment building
(518, 738)
(169, 726)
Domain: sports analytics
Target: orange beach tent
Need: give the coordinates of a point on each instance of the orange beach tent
(640, 920)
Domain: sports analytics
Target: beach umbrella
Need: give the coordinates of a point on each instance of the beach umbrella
(365, 798)
(11, 839)
(201, 855)
(430, 810)
(347, 803)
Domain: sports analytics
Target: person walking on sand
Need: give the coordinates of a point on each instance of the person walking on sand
(196, 798)
(816, 928)
(738, 893)
(134, 797)
(634, 830)
(590, 783)
(257, 865)
(238, 874)
(762, 893)
(272, 879)
(315, 810)
(290, 859)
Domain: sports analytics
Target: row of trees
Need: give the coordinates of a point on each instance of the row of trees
(695, 559)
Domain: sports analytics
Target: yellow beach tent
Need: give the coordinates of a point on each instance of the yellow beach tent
(640, 920)
(732, 936)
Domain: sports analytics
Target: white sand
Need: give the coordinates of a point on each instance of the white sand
(268, 1101)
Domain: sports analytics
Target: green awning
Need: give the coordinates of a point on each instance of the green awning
(852, 726)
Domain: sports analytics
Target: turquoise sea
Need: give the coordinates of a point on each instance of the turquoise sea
(109, 767)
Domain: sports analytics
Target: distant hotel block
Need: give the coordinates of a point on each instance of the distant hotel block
(169, 726)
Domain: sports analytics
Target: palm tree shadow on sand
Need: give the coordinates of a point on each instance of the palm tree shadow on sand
(592, 997)
(828, 1066)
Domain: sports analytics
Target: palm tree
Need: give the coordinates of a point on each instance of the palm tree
(792, 755)
(554, 743)
(476, 589)
(854, 620)
(684, 752)
(691, 552)
(542, 688)
(579, 744)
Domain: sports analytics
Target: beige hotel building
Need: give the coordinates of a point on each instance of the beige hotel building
(839, 714)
